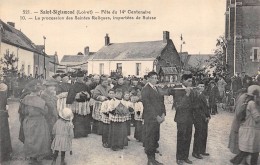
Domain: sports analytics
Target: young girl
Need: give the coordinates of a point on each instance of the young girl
(63, 135)
(138, 113)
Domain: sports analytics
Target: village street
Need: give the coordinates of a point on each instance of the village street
(89, 150)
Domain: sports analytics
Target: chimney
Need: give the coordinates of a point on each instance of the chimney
(11, 24)
(107, 40)
(86, 51)
(166, 36)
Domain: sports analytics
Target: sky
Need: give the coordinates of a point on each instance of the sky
(200, 22)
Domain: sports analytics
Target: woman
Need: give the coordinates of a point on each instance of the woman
(49, 96)
(5, 140)
(35, 126)
(249, 131)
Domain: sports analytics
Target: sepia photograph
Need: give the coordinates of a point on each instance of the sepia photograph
(122, 82)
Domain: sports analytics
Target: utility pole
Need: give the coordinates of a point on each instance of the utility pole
(44, 38)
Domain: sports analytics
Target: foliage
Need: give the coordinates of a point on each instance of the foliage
(199, 67)
(219, 58)
(8, 64)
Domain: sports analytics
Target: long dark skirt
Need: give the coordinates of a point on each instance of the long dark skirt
(5, 140)
(105, 135)
(97, 127)
(138, 131)
(128, 122)
(118, 135)
(81, 125)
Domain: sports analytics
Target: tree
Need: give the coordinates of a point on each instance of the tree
(8, 64)
(219, 59)
(200, 66)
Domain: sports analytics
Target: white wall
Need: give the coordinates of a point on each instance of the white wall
(25, 57)
(128, 67)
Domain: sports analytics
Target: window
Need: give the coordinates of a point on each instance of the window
(101, 68)
(255, 56)
(29, 70)
(36, 69)
(119, 67)
(138, 69)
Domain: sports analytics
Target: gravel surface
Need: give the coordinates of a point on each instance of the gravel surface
(89, 150)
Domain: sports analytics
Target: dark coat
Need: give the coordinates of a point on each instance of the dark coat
(153, 104)
(76, 88)
(201, 111)
(184, 108)
(5, 139)
(62, 87)
(213, 95)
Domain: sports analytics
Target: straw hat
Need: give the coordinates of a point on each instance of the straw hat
(66, 114)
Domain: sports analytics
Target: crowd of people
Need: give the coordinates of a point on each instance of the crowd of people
(54, 111)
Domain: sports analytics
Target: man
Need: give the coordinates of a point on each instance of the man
(201, 118)
(78, 98)
(154, 115)
(213, 97)
(64, 85)
(184, 119)
(121, 84)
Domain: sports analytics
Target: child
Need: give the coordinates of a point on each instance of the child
(105, 117)
(118, 111)
(63, 135)
(138, 113)
(127, 101)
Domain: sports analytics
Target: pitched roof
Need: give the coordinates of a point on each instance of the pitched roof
(130, 51)
(12, 36)
(76, 58)
(169, 70)
(198, 59)
(52, 58)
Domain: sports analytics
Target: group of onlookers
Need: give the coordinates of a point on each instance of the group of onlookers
(54, 111)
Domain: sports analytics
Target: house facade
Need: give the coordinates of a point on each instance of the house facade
(134, 58)
(242, 33)
(53, 64)
(13, 41)
(70, 63)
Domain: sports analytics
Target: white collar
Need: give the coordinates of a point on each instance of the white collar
(151, 85)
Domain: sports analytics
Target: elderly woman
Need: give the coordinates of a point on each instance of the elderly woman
(35, 126)
(5, 140)
(100, 94)
(49, 96)
(249, 131)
